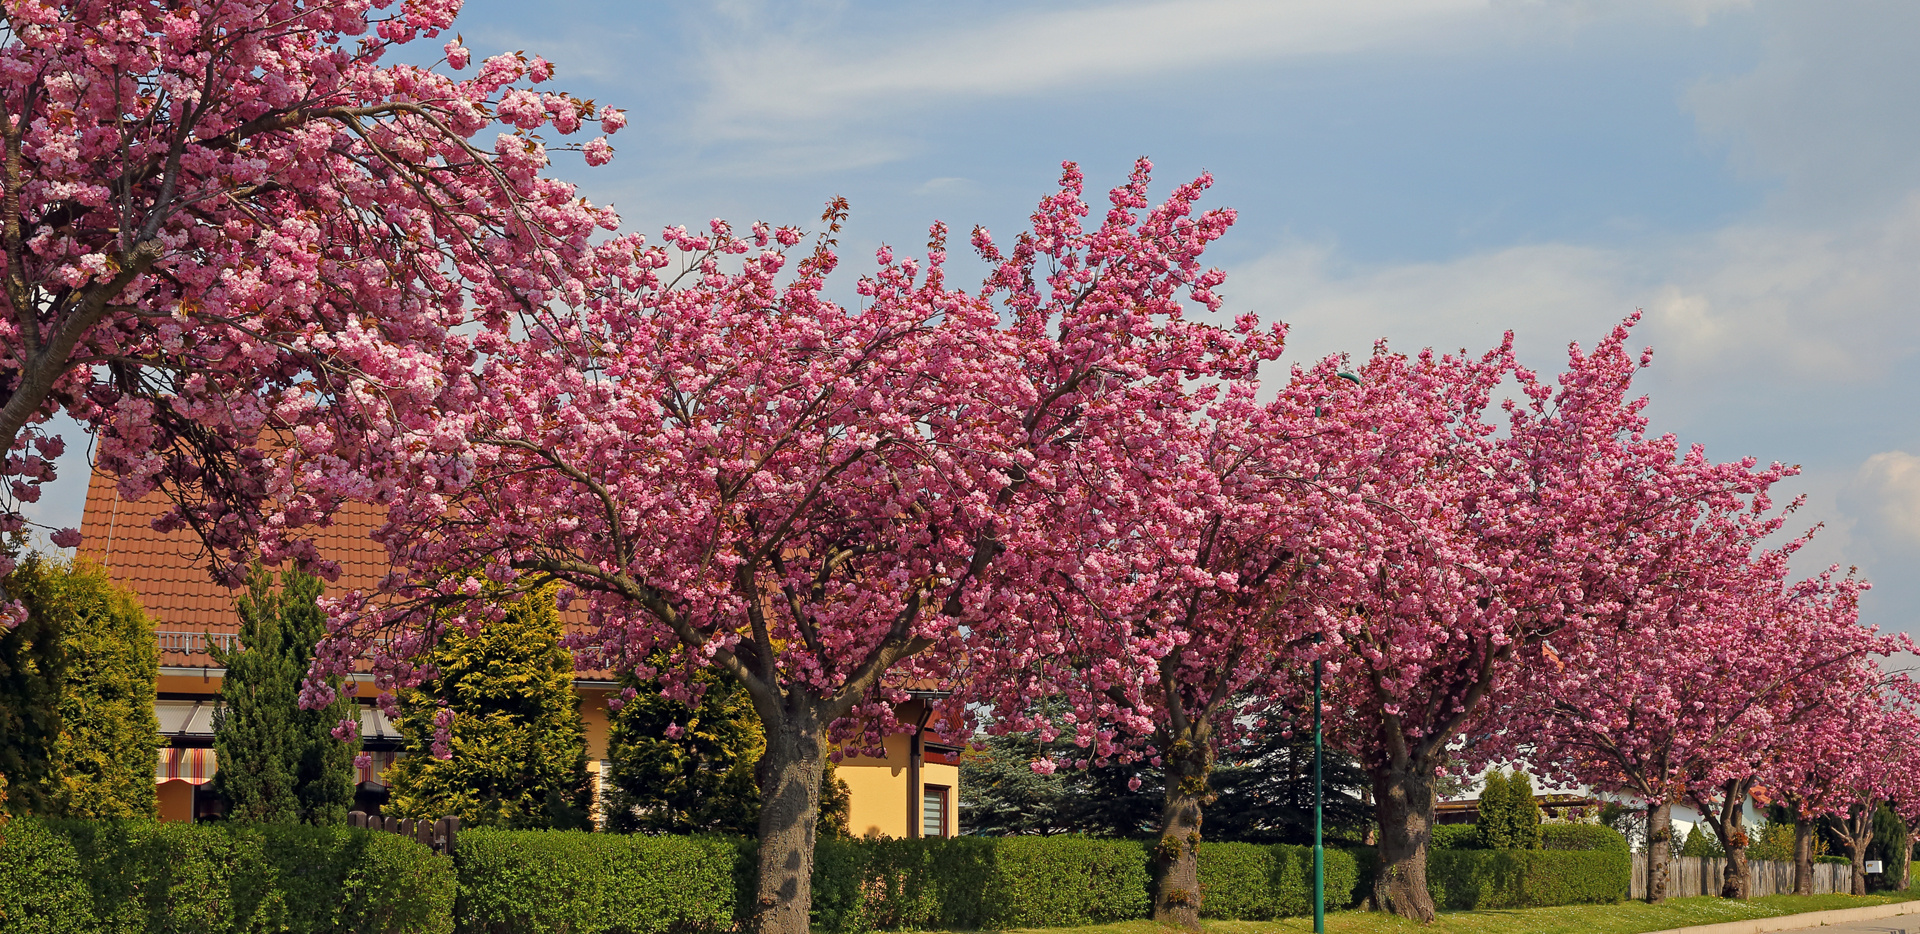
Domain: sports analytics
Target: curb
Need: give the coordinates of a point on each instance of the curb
(1803, 920)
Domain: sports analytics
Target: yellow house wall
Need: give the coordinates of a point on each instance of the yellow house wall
(878, 802)
(176, 800)
(593, 713)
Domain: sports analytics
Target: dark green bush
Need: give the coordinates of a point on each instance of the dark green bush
(1581, 837)
(43, 889)
(1470, 879)
(1249, 882)
(514, 881)
(1840, 860)
(977, 882)
(136, 877)
(1457, 837)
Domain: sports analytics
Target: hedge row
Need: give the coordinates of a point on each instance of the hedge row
(1470, 879)
(511, 881)
(141, 877)
(1247, 882)
(1552, 837)
(977, 882)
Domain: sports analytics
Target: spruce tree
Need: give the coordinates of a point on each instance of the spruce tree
(1495, 822)
(516, 740)
(279, 763)
(681, 770)
(32, 666)
(102, 760)
(1523, 812)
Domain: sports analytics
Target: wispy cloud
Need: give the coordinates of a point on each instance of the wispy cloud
(767, 82)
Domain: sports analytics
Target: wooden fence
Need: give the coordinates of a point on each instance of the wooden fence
(440, 834)
(1702, 875)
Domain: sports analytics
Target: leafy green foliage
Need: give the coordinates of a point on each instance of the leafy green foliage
(1701, 842)
(279, 763)
(1772, 841)
(1890, 847)
(519, 754)
(102, 760)
(705, 777)
(974, 882)
(1519, 878)
(1582, 837)
(1248, 882)
(1457, 837)
(1509, 816)
(1265, 792)
(132, 877)
(1000, 795)
(514, 881)
(32, 667)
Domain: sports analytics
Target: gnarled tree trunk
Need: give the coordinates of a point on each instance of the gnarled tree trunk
(1176, 888)
(1728, 821)
(789, 774)
(1403, 792)
(1803, 857)
(1659, 850)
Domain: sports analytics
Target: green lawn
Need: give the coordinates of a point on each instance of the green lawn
(1623, 918)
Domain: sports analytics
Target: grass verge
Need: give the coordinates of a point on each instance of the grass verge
(1621, 918)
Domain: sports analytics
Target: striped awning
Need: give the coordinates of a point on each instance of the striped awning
(370, 766)
(193, 766)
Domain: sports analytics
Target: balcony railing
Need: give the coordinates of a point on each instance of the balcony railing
(195, 643)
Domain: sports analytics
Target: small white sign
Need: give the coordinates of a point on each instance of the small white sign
(1873, 865)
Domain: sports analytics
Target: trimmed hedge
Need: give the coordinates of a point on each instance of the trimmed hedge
(977, 882)
(1470, 879)
(586, 883)
(134, 877)
(1248, 882)
(1456, 837)
(1581, 837)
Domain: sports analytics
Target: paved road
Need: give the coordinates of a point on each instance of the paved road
(1900, 924)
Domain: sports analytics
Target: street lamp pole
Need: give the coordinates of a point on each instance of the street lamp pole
(1319, 842)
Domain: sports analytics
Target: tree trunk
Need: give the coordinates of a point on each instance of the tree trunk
(1803, 857)
(1858, 855)
(1403, 792)
(789, 809)
(1856, 831)
(1730, 826)
(1659, 850)
(1176, 889)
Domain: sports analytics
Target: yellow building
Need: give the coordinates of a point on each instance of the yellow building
(913, 791)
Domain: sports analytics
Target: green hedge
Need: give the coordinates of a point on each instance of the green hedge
(1456, 837)
(1471, 879)
(136, 877)
(586, 883)
(1248, 882)
(1581, 837)
(977, 882)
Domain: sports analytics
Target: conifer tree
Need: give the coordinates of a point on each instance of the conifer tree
(1495, 823)
(278, 763)
(1523, 812)
(32, 666)
(102, 760)
(515, 744)
(682, 770)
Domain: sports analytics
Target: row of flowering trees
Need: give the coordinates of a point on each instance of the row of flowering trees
(274, 275)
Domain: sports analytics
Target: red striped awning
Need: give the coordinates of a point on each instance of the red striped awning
(370, 766)
(193, 766)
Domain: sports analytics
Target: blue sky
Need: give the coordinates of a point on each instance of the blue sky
(1430, 171)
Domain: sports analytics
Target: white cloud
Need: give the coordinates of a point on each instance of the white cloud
(1825, 306)
(1885, 498)
(768, 82)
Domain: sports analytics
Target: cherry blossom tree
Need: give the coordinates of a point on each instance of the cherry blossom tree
(824, 501)
(219, 220)
(1845, 759)
(1181, 627)
(1474, 549)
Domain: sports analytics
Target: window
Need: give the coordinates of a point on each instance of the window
(933, 811)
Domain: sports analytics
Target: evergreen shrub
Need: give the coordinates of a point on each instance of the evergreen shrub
(1250, 882)
(1581, 837)
(1457, 837)
(977, 882)
(514, 881)
(136, 877)
(1477, 879)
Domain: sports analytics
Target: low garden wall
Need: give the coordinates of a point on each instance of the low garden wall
(77, 878)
